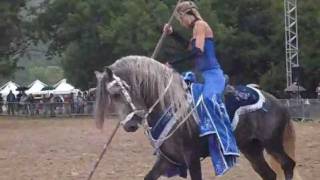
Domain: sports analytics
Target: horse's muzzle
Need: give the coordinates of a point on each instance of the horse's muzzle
(132, 121)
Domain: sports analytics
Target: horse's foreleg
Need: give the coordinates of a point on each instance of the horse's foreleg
(158, 169)
(195, 170)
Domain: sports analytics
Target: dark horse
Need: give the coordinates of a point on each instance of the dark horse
(135, 83)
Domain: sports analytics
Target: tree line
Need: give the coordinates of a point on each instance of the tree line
(89, 34)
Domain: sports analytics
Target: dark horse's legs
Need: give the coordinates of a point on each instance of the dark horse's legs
(158, 169)
(195, 169)
(275, 148)
(162, 165)
(253, 151)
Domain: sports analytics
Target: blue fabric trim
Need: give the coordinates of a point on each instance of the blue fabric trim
(157, 131)
(214, 122)
(161, 123)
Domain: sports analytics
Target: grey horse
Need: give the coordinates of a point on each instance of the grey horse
(135, 84)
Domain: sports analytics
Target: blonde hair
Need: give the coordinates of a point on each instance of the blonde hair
(187, 7)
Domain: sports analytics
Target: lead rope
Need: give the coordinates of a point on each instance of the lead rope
(155, 53)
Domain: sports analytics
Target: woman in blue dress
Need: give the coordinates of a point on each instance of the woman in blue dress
(218, 128)
(203, 47)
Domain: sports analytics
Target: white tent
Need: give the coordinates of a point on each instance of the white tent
(9, 86)
(35, 87)
(62, 87)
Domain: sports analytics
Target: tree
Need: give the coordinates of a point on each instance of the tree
(309, 43)
(91, 34)
(11, 40)
(249, 35)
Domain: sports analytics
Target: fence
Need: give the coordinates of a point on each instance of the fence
(302, 109)
(47, 109)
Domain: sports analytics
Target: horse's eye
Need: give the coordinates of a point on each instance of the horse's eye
(116, 96)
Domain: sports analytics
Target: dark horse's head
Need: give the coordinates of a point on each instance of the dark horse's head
(130, 87)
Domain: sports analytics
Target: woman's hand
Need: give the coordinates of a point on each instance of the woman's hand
(167, 28)
(168, 65)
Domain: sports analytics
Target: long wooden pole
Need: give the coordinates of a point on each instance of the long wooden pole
(155, 53)
(159, 44)
(103, 151)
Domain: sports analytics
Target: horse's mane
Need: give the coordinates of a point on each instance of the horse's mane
(148, 80)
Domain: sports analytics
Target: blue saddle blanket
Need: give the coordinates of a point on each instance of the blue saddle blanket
(242, 100)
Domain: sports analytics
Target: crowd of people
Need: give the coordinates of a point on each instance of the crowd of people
(47, 104)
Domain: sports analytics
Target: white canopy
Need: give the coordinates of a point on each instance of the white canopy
(35, 87)
(62, 87)
(9, 86)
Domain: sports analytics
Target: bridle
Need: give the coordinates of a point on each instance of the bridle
(143, 114)
(125, 94)
(135, 111)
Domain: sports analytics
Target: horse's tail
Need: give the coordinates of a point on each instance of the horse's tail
(289, 139)
(101, 101)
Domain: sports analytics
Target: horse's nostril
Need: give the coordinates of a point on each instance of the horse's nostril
(132, 128)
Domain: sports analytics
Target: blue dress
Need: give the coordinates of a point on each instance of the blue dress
(208, 65)
(214, 122)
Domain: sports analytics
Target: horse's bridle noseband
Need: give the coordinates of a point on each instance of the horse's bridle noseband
(135, 112)
(124, 92)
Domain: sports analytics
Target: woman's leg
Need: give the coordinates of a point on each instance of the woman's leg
(214, 83)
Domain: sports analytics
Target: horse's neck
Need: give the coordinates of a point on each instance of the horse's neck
(190, 126)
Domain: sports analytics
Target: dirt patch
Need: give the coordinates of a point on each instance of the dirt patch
(63, 149)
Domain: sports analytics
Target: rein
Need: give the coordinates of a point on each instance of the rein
(133, 107)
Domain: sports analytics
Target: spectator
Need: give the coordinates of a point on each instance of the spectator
(85, 102)
(79, 103)
(90, 102)
(31, 105)
(318, 91)
(52, 105)
(17, 102)
(46, 104)
(1, 103)
(85, 96)
(72, 104)
(24, 103)
(58, 100)
(67, 104)
(11, 99)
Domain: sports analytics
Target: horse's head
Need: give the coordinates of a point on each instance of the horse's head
(133, 88)
(114, 93)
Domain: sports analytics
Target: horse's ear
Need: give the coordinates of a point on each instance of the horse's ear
(109, 72)
(98, 74)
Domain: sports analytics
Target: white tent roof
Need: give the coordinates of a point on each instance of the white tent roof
(35, 87)
(9, 86)
(62, 87)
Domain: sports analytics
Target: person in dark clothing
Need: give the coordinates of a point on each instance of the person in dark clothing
(11, 99)
(318, 91)
(1, 103)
